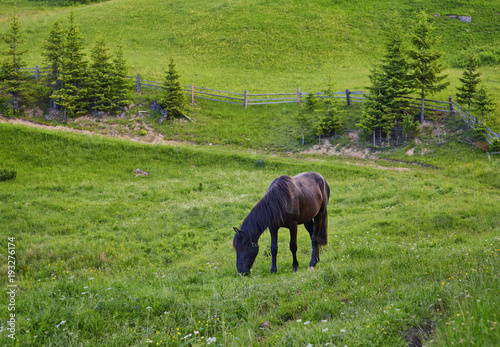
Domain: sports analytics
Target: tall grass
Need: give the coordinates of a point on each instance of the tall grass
(107, 258)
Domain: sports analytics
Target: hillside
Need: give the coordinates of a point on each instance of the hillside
(104, 257)
(268, 46)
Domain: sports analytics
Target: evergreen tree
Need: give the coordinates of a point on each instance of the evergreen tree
(470, 80)
(425, 61)
(121, 85)
(71, 94)
(395, 69)
(11, 67)
(303, 122)
(100, 83)
(53, 51)
(173, 97)
(483, 102)
(375, 116)
(330, 121)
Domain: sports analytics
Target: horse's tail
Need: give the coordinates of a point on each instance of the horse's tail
(323, 230)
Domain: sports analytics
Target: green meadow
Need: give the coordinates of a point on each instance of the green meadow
(107, 258)
(102, 257)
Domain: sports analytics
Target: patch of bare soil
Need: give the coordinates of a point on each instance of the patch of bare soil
(118, 127)
(417, 336)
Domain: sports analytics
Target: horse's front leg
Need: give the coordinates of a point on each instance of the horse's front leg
(293, 246)
(274, 248)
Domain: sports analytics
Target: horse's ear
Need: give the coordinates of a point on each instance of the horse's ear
(238, 231)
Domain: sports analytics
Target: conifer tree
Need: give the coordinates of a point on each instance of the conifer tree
(329, 121)
(121, 85)
(375, 116)
(100, 83)
(71, 94)
(173, 98)
(483, 102)
(425, 62)
(11, 67)
(53, 51)
(303, 122)
(470, 80)
(395, 69)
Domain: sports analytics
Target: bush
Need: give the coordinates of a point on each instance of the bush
(495, 145)
(479, 131)
(6, 175)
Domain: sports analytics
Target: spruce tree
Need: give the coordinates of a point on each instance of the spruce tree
(100, 80)
(375, 117)
(173, 98)
(395, 69)
(425, 62)
(11, 67)
(121, 85)
(71, 95)
(483, 102)
(329, 121)
(53, 52)
(470, 80)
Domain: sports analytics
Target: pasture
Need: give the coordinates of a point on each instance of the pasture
(107, 258)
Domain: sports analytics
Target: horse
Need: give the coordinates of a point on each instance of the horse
(288, 202)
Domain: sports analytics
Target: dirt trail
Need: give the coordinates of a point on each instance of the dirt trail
(153, 136)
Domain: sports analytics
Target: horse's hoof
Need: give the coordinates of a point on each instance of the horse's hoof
(311, 268)
(294, 269)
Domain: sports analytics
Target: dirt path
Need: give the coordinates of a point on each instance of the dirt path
(153, 137)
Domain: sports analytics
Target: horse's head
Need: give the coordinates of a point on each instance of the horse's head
(246, 251)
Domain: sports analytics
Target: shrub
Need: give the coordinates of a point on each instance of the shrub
(495, 145)
(479, 131)
(6, 175)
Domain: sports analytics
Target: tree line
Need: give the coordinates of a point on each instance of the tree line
(411, 64)
(74, 85)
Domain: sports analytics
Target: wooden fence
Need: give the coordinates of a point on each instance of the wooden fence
(247, 99)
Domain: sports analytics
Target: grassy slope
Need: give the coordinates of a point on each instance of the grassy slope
(261, 45)
(124, 260)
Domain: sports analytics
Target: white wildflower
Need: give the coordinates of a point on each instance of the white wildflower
(211, 339)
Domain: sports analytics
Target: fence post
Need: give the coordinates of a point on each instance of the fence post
(192, 93)
(245, 101)
(37, 73)
(138, 84)
(451, 106)
(298, 96)
(347, 97)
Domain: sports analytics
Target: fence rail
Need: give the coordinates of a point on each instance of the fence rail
(245, 99)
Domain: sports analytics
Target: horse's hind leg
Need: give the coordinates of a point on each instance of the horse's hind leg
(293, 246)
(274, 248)
(312, 228)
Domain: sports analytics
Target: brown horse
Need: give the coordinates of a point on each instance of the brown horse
(288, 202)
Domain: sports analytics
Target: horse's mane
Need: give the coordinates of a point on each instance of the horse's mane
(272, 209)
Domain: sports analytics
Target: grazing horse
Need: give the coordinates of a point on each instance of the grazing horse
(288, 202)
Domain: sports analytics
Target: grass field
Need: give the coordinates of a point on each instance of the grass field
(107, 258)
